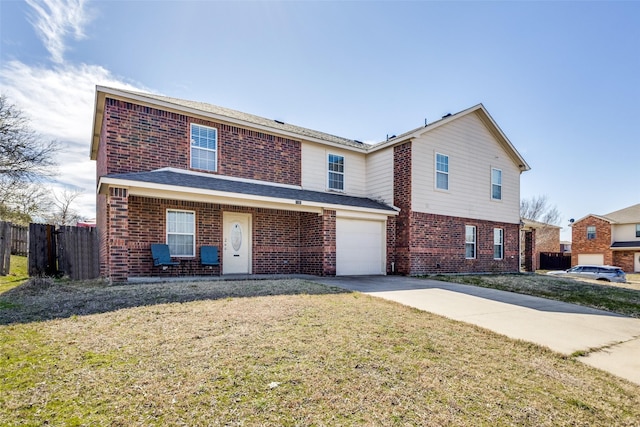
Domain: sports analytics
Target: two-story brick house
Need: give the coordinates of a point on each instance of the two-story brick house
(611, 239)
(278, 198)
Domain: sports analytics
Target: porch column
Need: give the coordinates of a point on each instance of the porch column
(329, 243)
(118, 234)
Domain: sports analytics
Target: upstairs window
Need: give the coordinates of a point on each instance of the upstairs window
(591, 232)
(181, 233)
(496, 184)
(470, 242)
(442, 171)
(204, 147)
(336, 172)
(637, 230)
(498, 243)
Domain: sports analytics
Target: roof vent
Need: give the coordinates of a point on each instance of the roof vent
(446, 115)
(278, 121)
(359, 142)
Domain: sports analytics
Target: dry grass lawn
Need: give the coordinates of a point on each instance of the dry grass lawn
(224, 357)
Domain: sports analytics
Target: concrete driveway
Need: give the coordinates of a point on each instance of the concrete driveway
(612, 341)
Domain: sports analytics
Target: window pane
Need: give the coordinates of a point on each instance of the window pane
(496, 176)
(180, 244)
(442, 181)
(336, 172)
(496, 192)
(336, 181)
(637, 230)
(204, 143)
(442, 163)
(498, 238)
(470, 250)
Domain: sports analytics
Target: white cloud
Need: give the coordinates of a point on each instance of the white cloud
(60, 103)
(55, 20)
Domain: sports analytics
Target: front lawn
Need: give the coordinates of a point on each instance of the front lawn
(602, 295)
(225, 357)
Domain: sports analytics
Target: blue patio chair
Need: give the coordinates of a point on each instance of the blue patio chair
(161, 256)
(209, 256)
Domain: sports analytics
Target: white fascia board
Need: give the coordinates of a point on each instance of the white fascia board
(225, 119)
(173, 192)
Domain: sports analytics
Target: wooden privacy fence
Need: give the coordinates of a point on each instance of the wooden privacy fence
(63, 251)
(19, 240)
(555, 261)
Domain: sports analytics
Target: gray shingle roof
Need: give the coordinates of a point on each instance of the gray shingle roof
(633, 244)
(214, 183)
(250, 118)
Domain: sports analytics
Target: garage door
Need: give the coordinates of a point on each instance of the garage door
(591, 259)
(360, 247)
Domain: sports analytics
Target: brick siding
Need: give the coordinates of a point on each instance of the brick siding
(136, 138)
(438, 245)
(402, 200)
(600, 245)
(283, 242)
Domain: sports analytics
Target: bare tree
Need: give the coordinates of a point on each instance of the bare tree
(64, 213)
(537, 208)
(25, 158)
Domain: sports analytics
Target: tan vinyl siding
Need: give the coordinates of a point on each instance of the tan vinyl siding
(473, 152)
(380, 176)
(314, 169)
(624, 233)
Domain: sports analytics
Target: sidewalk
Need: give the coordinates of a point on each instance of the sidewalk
(612, 341)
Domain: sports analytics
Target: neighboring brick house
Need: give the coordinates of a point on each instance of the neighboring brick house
(441, 198)
(611, 239)
(537, 237)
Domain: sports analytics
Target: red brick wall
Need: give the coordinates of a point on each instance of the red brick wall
(438, 245)
(624, 260)
(600, 245)
(276, 235)
(118, 238)
(311, 250)
(282, 241)
(329, 243)
(402, 200)
(137, 138)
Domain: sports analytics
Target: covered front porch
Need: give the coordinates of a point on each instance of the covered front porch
(258, 228)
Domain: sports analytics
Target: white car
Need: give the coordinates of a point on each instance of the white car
(596, 272)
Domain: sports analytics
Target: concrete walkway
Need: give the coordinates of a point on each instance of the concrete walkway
(612, 341)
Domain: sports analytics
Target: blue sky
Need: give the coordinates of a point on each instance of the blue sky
(562, 79)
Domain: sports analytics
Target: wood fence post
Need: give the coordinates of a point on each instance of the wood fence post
(5, 247)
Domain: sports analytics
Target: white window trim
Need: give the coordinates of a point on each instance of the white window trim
(215, 169)
(475, 239)
(500, 232)
(595, 232)
(500, 185)
(193, 249)
(436, 172)
(329, 172)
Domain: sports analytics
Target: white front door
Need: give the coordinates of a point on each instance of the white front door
(637, 263)
(236, 255)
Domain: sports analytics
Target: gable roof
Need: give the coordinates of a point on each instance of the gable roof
(295, 132)
(628, 215)
(482, 114)
(185, 181)
(214, 112)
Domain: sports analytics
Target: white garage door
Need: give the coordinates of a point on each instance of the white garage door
(591, 259)
(360, 247)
